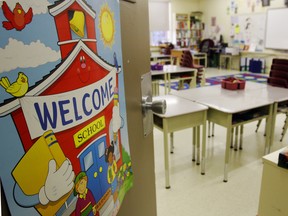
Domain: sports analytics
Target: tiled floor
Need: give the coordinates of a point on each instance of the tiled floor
(207, 195)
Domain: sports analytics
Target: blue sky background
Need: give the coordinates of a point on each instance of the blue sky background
(39, 39)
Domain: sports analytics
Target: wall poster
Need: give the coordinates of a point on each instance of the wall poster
(63, 128)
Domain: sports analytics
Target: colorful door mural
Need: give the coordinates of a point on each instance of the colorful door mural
(64, 146)
(93, 162)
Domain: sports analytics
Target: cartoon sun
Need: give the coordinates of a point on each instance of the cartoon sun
(107, 25)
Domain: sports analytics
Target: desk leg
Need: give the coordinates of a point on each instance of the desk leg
(193, 83)
(169, 83)
(165, 83)
(155, 88)
(236, 138)
(166, 154)
(227, 151)
(209, 129)
(270, 125)
(203, 160)
(198, 145)
(194, 144)
(171, 142)
(241, 137)
(232, 138)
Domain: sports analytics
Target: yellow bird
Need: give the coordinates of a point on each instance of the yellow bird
(17, 88)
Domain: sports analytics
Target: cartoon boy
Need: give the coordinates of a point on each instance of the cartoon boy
(86, 204)
(112, 169)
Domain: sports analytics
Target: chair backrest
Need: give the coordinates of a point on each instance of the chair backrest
(280, 61)
(276, 81)
(205, 45)
(279, 67)
(186, 59)
(279, 73)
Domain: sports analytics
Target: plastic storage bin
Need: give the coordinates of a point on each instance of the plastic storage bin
(232, 83)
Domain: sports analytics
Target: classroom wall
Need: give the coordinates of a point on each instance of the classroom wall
(217, 19)
(222, 10)
(184, 6)
(218, 10)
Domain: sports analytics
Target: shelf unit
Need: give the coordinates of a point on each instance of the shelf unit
(196, 29)
(182, 30)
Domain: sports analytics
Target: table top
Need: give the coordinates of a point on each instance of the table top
(159, 55)
(178, 106)
(172, 69)
(234, 103)
(277, 94)
(199, 55)
(263, 53)
(215, 91)
(228, 101)
(228, 54)
(272, 158)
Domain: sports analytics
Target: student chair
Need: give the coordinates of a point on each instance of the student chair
(187, 61)
(282, 109)
(279, 77)
(205, 47)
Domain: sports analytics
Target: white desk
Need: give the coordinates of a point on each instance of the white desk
(274, 187)
(229, 109)
(173, 71)
(160, 58)
(230, 58)
(275, 94)
(182, 114)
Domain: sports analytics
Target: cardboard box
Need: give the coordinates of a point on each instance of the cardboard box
(232, 50)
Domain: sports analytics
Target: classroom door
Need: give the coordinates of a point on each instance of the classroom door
(141, 199)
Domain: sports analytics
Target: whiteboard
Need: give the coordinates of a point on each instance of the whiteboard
(276, 29)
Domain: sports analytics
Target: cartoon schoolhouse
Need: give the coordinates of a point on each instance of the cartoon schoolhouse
(72, 105)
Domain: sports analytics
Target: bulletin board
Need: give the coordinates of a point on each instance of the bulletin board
(249, 30)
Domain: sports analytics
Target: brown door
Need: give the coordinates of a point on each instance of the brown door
(141, 199)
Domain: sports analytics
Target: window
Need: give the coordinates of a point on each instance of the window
(101, 149)
(159, 22)
(88, 161)
(157, 37)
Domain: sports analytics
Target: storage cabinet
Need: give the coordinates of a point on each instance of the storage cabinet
(189, 30)
(196, 29)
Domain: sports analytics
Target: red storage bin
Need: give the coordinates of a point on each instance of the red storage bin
(232, 83)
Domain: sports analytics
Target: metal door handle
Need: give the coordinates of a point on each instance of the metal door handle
(158, 106)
